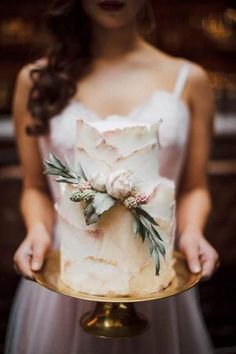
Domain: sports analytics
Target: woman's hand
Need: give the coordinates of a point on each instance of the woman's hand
(31, 252)
(201, 256)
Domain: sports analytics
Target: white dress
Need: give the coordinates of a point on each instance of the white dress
(43, 322)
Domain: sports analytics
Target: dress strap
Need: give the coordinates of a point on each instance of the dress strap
(181, 80)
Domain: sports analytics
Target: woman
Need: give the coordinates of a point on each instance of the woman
(99, 65)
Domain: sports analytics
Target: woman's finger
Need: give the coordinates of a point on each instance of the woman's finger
(209, 259)
(22, 262)
(39, 250)
(190, 249)
(23, 272)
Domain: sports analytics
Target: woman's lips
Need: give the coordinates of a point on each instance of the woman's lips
(111, 5)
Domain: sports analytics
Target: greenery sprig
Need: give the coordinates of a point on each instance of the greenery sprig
(145, 226)
(53, 166)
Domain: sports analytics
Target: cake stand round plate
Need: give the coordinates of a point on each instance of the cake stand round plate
(114, 316)
(49, 277)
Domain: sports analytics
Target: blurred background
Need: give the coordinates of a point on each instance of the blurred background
(202, 31)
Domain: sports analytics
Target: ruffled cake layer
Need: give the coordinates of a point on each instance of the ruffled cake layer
(107, 257)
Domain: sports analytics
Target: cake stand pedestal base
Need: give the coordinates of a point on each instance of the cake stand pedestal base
(114, 320)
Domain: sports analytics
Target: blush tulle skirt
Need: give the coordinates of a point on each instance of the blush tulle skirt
(43, 322)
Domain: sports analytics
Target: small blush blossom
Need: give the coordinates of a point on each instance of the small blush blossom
(142, 198)
(84, 185)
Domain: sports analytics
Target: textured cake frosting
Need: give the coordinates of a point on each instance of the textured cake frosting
(107, 258)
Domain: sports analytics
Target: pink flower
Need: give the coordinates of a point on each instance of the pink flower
(141, 198)
(84, 185)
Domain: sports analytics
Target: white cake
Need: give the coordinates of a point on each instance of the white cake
(107, 257)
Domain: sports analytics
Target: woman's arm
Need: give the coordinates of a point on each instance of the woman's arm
(36, 205)
(194, 203)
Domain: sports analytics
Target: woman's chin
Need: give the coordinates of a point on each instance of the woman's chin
(113, 23)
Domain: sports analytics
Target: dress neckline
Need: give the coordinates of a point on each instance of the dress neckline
(135, 109)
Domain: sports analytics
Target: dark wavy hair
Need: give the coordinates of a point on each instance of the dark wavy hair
(67, 60)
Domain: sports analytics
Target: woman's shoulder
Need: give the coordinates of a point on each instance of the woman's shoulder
(198, 76)
(196, 73)
(198, 79)
(198, 87)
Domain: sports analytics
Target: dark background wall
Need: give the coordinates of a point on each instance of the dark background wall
(202, 31)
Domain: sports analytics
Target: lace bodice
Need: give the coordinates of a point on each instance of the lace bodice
(164, 105)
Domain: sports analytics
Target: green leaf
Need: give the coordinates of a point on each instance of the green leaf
(89, 210)
(141, 211)
(151, 245)
(135, 226)
(92, 219)
(67, 180)
(56, 162)
(90, 214)
(102, 202)
(135, 222)
(85, 204)
(142, 232)
(157, 262)
(49, 166)
(55, 167)
(80, 172)
(52, 171)
(149, 230)
(157, 233)
(161, 247)
(145, 222)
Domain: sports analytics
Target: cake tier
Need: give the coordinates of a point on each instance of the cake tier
(135, 148)
(107, 257)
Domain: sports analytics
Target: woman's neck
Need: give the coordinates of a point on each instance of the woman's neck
(113, 43)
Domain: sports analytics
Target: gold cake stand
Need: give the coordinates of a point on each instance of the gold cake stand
(114, 317)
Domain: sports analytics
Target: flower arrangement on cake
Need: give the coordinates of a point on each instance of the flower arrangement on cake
(100, 193)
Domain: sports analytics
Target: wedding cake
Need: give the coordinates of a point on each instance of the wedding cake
(116, 213)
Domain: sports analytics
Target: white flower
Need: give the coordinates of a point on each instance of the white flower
(98, 181)
(120, 184)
